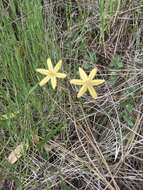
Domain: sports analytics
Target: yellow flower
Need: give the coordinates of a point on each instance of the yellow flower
(87, 82)
(51, 74)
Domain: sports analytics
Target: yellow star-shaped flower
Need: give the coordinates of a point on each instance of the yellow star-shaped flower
(52, 73)
(87, 82)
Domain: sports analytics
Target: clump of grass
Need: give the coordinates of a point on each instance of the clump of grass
(23, 49)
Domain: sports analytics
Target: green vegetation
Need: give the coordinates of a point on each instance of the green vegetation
(73, 143)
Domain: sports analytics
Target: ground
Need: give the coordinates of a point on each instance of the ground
(71, 143)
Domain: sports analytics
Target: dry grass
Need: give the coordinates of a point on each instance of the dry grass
(101, 147)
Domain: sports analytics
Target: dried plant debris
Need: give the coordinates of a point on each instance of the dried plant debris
(79, 144)
(17, 153)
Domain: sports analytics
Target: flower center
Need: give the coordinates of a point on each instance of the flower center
(51, 73)
(88, 82)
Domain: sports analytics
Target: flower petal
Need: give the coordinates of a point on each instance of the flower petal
(44, 81)
(82, 91)
(92, 91)
(42, 71)
(53, 82)
(61, 75)
(92, 73)
(82, 73)
(77, 82)
(97, 82)
(49, 63)
(58, 66)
